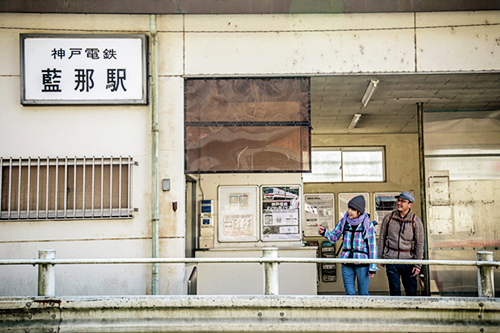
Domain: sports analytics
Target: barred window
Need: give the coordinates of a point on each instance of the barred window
(66, 188)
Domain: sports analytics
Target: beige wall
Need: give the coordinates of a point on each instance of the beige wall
(84, 130)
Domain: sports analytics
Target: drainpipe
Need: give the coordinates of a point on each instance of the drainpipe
(154, 155)
(423, 197)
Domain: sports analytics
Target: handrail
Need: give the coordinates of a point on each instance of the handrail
(258, 260)
(270, 259)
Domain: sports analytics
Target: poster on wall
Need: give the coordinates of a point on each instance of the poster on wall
(344, 199)
(83, 69)
(318, 208)
(385, 202)
(280, 212)
(238, 209)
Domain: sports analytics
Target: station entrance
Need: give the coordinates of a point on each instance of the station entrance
(435, 135)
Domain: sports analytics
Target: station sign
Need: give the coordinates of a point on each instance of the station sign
(83, 69)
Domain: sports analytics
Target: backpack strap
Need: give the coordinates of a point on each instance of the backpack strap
(413, 228)
(387, 228)
(413, 225)
(342, 243)
(352, 249)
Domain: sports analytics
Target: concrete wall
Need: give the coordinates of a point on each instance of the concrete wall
(342, 43)
(253, 313)
(202, 45)
(94, 131)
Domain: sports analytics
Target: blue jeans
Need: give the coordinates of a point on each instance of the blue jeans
(398, 273)
(349, 275)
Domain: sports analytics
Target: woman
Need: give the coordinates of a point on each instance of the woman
(359, 243)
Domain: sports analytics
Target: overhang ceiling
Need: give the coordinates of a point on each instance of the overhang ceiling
(393, 105)
(242, 7)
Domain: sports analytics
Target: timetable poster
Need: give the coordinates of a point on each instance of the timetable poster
(280, 212)
(238, 214)
(319, 208)
(385, 203)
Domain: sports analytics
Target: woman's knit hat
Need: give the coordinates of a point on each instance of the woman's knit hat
(357, 203)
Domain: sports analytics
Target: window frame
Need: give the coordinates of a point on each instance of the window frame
(342, 166)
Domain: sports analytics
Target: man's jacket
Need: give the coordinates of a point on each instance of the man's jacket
(401, 238)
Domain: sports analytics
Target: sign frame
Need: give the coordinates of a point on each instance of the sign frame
(273, 228)
(343, 199)
(237, 204)
(142, 100)
(325, 213)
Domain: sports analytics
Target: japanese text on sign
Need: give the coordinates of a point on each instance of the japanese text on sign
(83, 69)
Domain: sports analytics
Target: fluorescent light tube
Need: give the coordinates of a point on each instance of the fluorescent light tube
(354, 121)
(369, 92)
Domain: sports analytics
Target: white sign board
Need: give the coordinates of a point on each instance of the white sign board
(83, 69)
(280, 212)
(237, 214)
(319, 208)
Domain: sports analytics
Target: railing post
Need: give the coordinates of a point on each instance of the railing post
(271, 283)
(46, 274)
(485, 281)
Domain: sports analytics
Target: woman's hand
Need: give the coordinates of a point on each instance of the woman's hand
(321, 230)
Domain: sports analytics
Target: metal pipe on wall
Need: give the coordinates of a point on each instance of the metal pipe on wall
(423, 198)
(154, 155)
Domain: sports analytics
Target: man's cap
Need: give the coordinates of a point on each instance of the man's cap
(357, 203)
(406, 196)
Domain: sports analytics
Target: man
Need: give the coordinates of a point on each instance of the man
(402, 237)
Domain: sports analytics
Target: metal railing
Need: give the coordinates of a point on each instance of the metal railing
(47, 261)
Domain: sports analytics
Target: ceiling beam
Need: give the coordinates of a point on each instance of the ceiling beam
(242, 7)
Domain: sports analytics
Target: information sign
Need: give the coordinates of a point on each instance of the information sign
(280, 212)
(319, 208)
(238, 213)
(83, 69)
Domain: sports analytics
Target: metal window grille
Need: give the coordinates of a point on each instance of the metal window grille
(66, 188)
